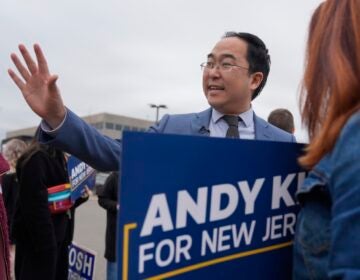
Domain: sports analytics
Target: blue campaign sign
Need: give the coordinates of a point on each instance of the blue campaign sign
(80, 175)
(206, 208)
(81, 263)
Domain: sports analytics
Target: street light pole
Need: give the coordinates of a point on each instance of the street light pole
(162, 106)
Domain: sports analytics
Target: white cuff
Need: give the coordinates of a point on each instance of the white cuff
(48, 129)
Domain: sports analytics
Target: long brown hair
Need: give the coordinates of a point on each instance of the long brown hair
(35, 147)
(331, 87)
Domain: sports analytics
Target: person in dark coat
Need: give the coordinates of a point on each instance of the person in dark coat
(12, 152)
(10, 187)
(42, 238)
(10, 190)
(108, 199)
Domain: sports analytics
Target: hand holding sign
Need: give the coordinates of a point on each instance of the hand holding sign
(82, 178)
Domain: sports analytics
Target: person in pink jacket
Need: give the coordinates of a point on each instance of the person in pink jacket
(4, 237)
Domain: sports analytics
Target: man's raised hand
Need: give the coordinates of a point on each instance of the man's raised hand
(38, 86)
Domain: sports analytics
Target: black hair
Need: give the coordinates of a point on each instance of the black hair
(257, 56)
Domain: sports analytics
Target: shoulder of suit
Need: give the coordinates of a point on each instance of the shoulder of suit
(277, 133)
(188, 116)
(280, 134)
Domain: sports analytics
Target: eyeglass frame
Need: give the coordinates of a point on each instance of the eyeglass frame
(205, 66)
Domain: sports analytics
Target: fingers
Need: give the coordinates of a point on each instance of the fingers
(43, 67)
(35, 74)
(20, 67)
(29, 61)
(16, 80)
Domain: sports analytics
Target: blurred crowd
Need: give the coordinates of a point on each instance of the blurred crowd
(37, 238)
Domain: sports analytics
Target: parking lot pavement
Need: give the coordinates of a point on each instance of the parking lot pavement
(90, 222)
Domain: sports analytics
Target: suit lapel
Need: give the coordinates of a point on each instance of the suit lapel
(200, 126)
(262, 131)
(200, 123)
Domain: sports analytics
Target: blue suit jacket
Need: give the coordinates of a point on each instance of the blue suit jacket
(103, 153)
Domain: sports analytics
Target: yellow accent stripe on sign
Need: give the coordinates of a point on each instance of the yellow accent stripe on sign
(219, 260)
(125, 264)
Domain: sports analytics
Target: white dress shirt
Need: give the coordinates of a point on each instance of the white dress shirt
(218, 126)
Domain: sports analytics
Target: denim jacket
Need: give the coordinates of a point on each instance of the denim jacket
(327, 239)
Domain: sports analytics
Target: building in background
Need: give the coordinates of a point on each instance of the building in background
(108, 124)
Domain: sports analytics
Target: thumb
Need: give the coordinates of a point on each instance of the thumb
(52, 82)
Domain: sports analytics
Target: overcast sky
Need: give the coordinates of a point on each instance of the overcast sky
(119, 56)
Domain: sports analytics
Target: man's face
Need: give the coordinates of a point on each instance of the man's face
(229, 90)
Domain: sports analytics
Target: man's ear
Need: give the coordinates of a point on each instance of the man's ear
(256, 79)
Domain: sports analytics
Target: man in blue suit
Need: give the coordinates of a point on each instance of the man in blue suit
(234, 74)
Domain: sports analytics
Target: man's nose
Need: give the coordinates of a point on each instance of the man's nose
(215, 71)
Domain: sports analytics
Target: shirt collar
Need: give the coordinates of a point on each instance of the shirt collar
(247, 116)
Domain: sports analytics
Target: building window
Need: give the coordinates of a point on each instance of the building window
(109, 125)
(126, 127)
(98, 125)
(135, 129)
(118, 127)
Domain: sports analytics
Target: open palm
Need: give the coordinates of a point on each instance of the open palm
(38, 86)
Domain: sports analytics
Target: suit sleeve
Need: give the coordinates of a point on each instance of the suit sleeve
(80, 139)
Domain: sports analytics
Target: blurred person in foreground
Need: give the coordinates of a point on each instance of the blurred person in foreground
(12, 151)
(327, 243)
(42, 236)
(283, 119)
(4, 237)
(108, 199)
(234, 74)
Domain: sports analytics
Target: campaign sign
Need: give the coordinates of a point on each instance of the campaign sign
(80, 175)
(207, 208)
(81, 263)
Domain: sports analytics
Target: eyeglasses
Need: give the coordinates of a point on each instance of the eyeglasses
(224, 66)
